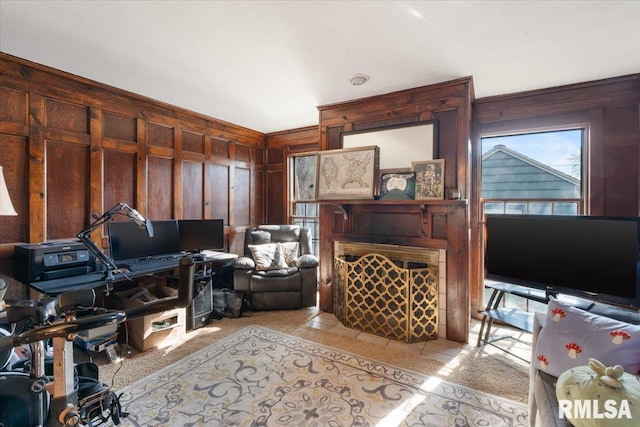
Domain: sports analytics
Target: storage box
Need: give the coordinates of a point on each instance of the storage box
(158, 329)
(155, 329)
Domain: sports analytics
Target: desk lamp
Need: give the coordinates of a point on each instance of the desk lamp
(6, 207)
(119, 209)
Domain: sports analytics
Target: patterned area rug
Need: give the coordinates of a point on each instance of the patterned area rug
(259, 377)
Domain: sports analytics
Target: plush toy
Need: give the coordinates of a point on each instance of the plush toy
(599, 396)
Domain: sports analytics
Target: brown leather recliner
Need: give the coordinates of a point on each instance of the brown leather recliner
(274, 274)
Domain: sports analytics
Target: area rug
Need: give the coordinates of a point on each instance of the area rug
(259, 377)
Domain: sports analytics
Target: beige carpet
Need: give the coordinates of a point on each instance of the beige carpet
(478, 368)
(260, 377)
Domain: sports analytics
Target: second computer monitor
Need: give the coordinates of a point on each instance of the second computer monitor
(201, 234)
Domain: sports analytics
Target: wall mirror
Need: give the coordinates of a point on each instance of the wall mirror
(400, 144)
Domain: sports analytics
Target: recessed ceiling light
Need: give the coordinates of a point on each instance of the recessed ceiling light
(359, 79)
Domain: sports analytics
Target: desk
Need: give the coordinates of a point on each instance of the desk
(95, 280)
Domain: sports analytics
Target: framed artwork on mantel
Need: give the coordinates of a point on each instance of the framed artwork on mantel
(429, 179)
(348, 173)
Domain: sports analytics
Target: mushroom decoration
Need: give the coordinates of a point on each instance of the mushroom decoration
(574, 349)
(619, 336)
(558, 314)
(543, 361)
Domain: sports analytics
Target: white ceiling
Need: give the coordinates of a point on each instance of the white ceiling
(267, 65)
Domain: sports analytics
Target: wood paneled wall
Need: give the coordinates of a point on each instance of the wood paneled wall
(442, 225)
(608, 109)
(71, 147)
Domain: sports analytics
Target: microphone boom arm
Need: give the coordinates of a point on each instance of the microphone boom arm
(121, 209)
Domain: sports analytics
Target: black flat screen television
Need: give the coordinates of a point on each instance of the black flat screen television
(590, 257)
(201, 234)
(128, 241)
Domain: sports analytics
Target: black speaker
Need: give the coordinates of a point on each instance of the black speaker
(202, 304)
(19, 405)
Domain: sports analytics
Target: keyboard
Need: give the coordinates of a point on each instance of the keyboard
(151, 263)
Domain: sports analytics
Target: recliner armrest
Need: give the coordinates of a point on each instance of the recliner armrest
(244, 263)
(307, 261)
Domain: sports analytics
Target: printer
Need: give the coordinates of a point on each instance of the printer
(52, 260)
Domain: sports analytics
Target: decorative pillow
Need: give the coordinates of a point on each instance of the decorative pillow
(290, 252)
(570, 337)
(268, 256)
(260, 237)
(610, 395)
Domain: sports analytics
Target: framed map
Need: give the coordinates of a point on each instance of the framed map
(348, 173)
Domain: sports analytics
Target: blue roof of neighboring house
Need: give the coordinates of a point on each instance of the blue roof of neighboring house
(507, 174)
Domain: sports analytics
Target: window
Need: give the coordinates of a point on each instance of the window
(533, 173)
(303, 209)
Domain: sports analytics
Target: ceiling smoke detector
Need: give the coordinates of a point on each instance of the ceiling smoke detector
(359, 79)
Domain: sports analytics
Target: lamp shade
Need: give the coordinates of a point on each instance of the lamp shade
(6, 207)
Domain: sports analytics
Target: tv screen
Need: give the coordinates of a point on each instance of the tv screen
(201, 234)
(128, 241)
(585, 256)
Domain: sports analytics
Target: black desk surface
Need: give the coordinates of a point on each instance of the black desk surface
(95, 280)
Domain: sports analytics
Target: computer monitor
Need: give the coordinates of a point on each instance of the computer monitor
(128, 241)
(201, 234)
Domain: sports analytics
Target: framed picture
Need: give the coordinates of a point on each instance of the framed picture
(348, 173)
(429, 179)
(397, 184)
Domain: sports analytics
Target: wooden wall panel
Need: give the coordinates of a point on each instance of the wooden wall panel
(275, 213)
(193, 142)
(242, 196)
(118, 127)
(159, 135)
(193, 194)
(13, 159)
(67, 202)
(220, 148)
(119, 178)
(219, 192)
(242, 153)
(13, 107)
(66, 116)
(160, 189)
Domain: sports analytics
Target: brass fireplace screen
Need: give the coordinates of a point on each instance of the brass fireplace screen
(386, 297)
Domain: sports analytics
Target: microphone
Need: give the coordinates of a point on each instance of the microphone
(142, 223)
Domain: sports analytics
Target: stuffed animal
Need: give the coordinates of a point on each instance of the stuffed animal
(599, 396)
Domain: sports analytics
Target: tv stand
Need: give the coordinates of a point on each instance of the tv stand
(517, 318)
(523, 320)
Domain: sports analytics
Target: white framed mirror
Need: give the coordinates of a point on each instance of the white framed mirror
(400, 145)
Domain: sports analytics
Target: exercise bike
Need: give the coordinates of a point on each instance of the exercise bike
(33, 397)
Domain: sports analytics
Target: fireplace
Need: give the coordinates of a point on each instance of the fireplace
(387, 290)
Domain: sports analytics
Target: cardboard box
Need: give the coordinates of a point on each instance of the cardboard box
(142, 295)
(157, 329)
